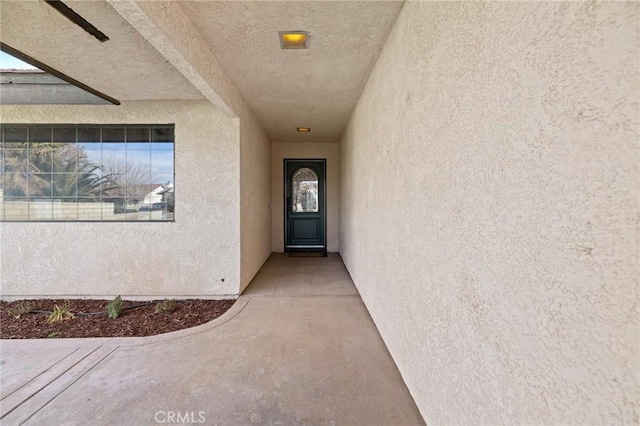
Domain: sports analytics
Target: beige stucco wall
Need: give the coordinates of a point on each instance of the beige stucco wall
(328, 151)
(190, 257)
(489, 209)
(168, 29)
(255, 197)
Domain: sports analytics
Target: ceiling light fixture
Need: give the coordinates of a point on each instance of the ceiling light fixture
(294, 39)
(304, 129)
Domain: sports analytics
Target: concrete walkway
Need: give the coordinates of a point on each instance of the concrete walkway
(297, 348)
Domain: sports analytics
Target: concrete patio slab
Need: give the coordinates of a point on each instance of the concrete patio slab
(22, 366)
(302, 276)
(276, 357)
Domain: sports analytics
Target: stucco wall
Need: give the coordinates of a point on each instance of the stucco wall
(328, 151)
(167, 28)
(255, 196)
(489, 209)
(198, 255)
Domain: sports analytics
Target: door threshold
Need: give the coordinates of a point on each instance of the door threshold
(307, 254)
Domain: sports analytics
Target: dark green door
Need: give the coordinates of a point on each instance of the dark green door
(305, 205)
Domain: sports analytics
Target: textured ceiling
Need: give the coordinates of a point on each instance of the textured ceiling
(126, 67)
(315, 88)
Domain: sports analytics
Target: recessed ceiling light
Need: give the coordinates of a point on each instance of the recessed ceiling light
(294, 39)
(304, 129)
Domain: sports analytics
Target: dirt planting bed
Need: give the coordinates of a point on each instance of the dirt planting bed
(90, 318)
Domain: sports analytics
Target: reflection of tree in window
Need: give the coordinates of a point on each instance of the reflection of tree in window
(305, 190)
(133, 178)
(28, 171)
(117, 166)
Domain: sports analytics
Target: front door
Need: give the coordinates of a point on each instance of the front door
(304, 205)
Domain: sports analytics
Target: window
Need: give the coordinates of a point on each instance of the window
(305, 190)
(87, 172)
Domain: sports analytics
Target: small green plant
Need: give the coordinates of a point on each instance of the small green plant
(114, 307)
(166, 306)
(61, 313)
(22, 308)
(53, 335)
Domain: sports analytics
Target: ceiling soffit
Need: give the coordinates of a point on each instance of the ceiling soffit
(125, 67)
(316, 87)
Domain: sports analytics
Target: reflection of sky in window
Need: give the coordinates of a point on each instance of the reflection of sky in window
(139, 148)
(162, 159)
(162, 162)
(139, 158)
(161, 179)
(114, 153)
(93, 151)
(158, 155)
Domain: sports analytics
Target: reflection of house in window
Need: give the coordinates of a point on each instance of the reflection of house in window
(306, 198)
(305, 190)
(86, 172)
(161, 198)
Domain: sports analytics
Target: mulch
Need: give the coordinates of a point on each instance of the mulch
(91, 319)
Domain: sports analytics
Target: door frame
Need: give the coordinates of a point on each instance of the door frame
(323, 165)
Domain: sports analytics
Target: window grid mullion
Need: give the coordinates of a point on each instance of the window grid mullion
(52, 148)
